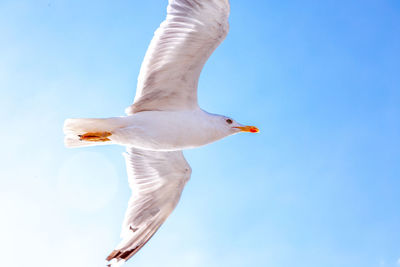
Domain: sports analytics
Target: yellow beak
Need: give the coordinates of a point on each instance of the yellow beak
(250, 129)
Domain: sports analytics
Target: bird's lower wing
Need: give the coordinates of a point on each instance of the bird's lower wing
(157, 180)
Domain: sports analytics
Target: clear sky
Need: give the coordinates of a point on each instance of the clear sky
(318, 187)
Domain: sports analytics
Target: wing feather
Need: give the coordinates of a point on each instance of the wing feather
(157, 180)
(180, 47)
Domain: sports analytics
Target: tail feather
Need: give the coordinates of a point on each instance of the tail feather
(75, 128)
(72, 142)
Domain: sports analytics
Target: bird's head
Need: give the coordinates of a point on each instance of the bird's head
(234, 127)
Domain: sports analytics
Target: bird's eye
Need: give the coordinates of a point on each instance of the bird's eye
(229, 121)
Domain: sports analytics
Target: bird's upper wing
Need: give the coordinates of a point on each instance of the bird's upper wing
(180, 47)
(157, 180)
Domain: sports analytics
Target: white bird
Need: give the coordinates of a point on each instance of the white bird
(164, 119)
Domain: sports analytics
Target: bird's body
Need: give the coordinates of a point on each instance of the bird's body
(164, 119)
(154, 130)
(170, 130)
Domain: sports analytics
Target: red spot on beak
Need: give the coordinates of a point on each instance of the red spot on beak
(250, 129)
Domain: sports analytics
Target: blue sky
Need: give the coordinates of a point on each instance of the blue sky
(319, 186)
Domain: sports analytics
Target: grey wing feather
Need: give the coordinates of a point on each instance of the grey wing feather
(180, 47)
(157, 180)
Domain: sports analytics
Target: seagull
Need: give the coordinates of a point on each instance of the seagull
(163, 120)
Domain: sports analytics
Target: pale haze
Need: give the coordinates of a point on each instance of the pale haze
(318, 186)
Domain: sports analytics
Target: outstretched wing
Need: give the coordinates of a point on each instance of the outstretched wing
(180, 47)
(157, 180)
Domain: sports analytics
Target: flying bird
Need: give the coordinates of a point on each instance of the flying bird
(163, 120)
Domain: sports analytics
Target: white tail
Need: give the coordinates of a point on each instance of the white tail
(73, 128)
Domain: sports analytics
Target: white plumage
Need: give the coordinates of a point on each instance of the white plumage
(163, 119)
(176, 55)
